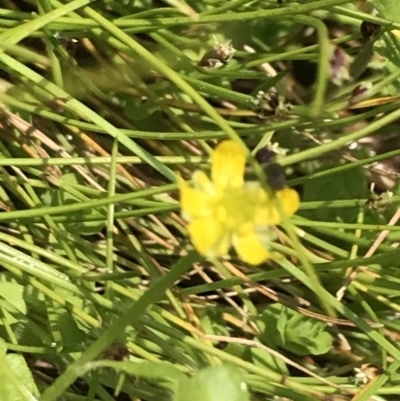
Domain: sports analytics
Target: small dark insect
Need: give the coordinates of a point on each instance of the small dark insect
(265, 155)
(275, 174)
(369, 29)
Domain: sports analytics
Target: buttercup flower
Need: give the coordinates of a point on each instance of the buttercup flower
(226, 211)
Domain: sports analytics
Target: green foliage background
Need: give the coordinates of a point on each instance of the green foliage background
(102, 296)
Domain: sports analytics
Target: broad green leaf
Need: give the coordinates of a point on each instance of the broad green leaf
(269, 32)
(17, 383)
(388, 47)
(213, 384)
(71, 327)
(137, 109)
(70, 331)
(351, 184)
(3, 348)
(13, 293)
(212, 322)
(282, 324)
(261, 357)
(388, 9)
(34, 297)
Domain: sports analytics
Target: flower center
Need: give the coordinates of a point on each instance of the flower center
(233, 208)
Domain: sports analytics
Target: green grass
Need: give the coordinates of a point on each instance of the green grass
(102, 296)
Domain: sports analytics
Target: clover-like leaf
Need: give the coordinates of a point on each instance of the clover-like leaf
(295, 332)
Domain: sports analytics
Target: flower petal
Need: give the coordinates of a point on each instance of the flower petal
(250, 249)
(290, 200)
(202, 182)
(265, 209)
(208, 237)
(194, 203)
(227, 165)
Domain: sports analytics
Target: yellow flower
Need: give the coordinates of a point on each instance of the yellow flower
(226, 211)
